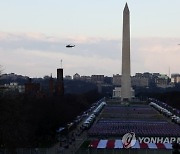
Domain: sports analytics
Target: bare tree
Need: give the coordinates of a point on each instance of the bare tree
(0, 70)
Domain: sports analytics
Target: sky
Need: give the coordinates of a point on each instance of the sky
(34, 35)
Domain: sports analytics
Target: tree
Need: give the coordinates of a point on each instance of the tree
(1, 70)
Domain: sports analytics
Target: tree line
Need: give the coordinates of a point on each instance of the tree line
(32, 122)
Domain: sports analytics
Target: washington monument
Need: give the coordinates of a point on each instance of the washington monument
(126, 93)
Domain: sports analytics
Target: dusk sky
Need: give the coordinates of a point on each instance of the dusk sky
(34, 33)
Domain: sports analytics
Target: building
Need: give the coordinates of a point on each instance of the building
(76, 76)
(14, 87)
(117, 92)
(98, 79)
(86, 78)
(51, 86)
(116, 81)
(147, 75)
(175, 78)
(32, 88)
(108, 80)
(68, 77)
(156, 75)
(139, 81)
(139, 75)
(162, 81)
(60, 82)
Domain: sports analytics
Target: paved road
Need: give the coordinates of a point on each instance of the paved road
(71, 147)
(79, 135)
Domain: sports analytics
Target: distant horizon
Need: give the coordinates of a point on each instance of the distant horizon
(64, 75)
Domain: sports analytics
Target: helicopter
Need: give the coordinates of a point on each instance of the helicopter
(70, 46)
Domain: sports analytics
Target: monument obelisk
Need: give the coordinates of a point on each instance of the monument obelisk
(126, 69)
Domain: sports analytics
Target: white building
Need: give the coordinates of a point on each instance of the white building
(117, 92)
(15, 87)
(175, 78)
